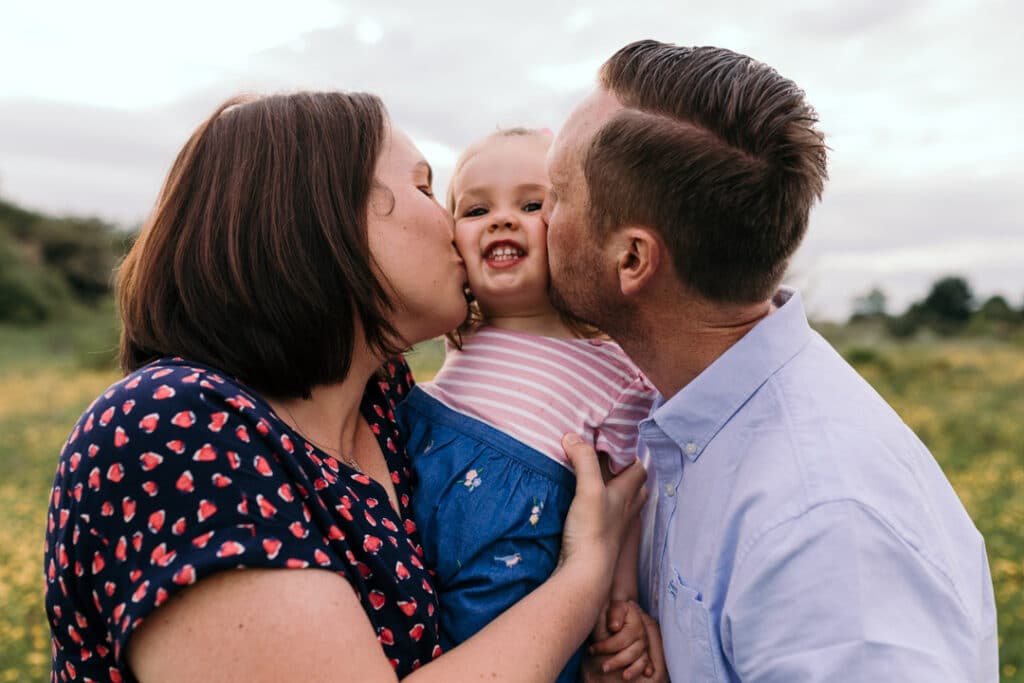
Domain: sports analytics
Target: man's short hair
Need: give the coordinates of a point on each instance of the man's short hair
(256, 259)
(715, 151)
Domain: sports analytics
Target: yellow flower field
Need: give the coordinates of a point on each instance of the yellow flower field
(966, 401)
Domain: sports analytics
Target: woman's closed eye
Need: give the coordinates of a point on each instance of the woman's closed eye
(427, 190)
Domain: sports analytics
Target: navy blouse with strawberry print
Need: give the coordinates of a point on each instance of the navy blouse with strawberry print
(177, 472)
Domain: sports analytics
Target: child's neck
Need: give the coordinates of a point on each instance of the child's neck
(546, 324)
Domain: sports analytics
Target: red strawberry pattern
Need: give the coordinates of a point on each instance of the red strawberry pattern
(178, 472)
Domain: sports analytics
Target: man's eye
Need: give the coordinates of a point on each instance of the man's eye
(473, 213)
(533, 206)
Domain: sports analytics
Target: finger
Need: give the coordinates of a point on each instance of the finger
(637, 668)
(584, 461)
(628, 483)
(638, 501)
(655, 648)
(624, 658)
(617, 611)
(618, 641)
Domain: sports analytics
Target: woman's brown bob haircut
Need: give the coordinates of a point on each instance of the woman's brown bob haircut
(715, 151)
(255, 260)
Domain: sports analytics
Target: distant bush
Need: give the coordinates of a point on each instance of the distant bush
(48, 264)
(948, 309)
(865, 355)
(84, 251)
(29, 293)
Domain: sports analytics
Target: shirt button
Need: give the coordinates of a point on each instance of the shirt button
(670, 490)
(690, 448)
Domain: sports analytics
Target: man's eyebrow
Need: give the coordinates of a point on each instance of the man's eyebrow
(430, 171)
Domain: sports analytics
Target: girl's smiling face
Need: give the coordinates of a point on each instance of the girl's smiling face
(498, 193)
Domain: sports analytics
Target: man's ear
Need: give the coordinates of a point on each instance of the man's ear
(641, 252)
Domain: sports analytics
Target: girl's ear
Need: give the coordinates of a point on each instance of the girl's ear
(640, 257)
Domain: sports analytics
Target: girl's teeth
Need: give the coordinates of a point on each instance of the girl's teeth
(505, 253)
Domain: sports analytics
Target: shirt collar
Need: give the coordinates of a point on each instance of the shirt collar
(695, 414)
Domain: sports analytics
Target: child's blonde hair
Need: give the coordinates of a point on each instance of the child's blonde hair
(475, 317)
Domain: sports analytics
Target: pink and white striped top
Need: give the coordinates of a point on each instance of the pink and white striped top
(538, 388)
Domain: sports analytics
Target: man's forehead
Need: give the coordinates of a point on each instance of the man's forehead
(594, 110)
(588, 116)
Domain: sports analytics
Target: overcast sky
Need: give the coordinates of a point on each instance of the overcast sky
(921, 103)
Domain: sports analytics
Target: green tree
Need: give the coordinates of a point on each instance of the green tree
(998, 309)
(949, 304)
(871, 305)
(29, 292)
(48, 264)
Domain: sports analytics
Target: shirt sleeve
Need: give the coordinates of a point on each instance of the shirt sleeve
(182, 482)
(836, 594)
(618, 435)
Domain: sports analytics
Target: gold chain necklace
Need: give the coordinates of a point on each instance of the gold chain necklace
(347, 459)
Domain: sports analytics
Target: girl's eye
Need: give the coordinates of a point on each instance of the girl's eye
(533, 206)
(478, 211)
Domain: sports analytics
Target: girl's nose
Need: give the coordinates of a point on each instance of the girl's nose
(503, 223)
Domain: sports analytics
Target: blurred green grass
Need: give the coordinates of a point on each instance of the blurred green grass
(965, 399)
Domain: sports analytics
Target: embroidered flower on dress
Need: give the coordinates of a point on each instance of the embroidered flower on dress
(472, 479)
(538, 507)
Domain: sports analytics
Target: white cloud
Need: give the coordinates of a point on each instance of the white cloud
(950, 257)
(916, 97)
(565, 77)
(579, 19)
(129, 54)
(369, 31)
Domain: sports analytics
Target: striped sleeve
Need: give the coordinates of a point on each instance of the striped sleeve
(618, 435)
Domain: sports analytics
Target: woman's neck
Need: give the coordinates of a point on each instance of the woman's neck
(329, 418)
(541, 324)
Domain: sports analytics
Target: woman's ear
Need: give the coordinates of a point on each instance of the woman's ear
(641, 252)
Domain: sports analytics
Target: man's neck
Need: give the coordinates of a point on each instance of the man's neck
(675, 344)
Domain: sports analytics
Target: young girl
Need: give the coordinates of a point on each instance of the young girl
(494, 485)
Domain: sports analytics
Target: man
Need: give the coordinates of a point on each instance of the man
(796, 529)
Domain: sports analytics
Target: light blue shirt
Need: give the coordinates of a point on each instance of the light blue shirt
(797, 530)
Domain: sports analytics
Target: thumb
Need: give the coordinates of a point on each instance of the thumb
(617, 615)
(583, 459)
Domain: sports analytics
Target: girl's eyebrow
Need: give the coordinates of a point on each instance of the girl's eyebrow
(523, 187)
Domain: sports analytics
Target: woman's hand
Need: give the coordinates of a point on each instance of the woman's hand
(600, 513)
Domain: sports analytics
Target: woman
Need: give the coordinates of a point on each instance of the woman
(295, 247)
